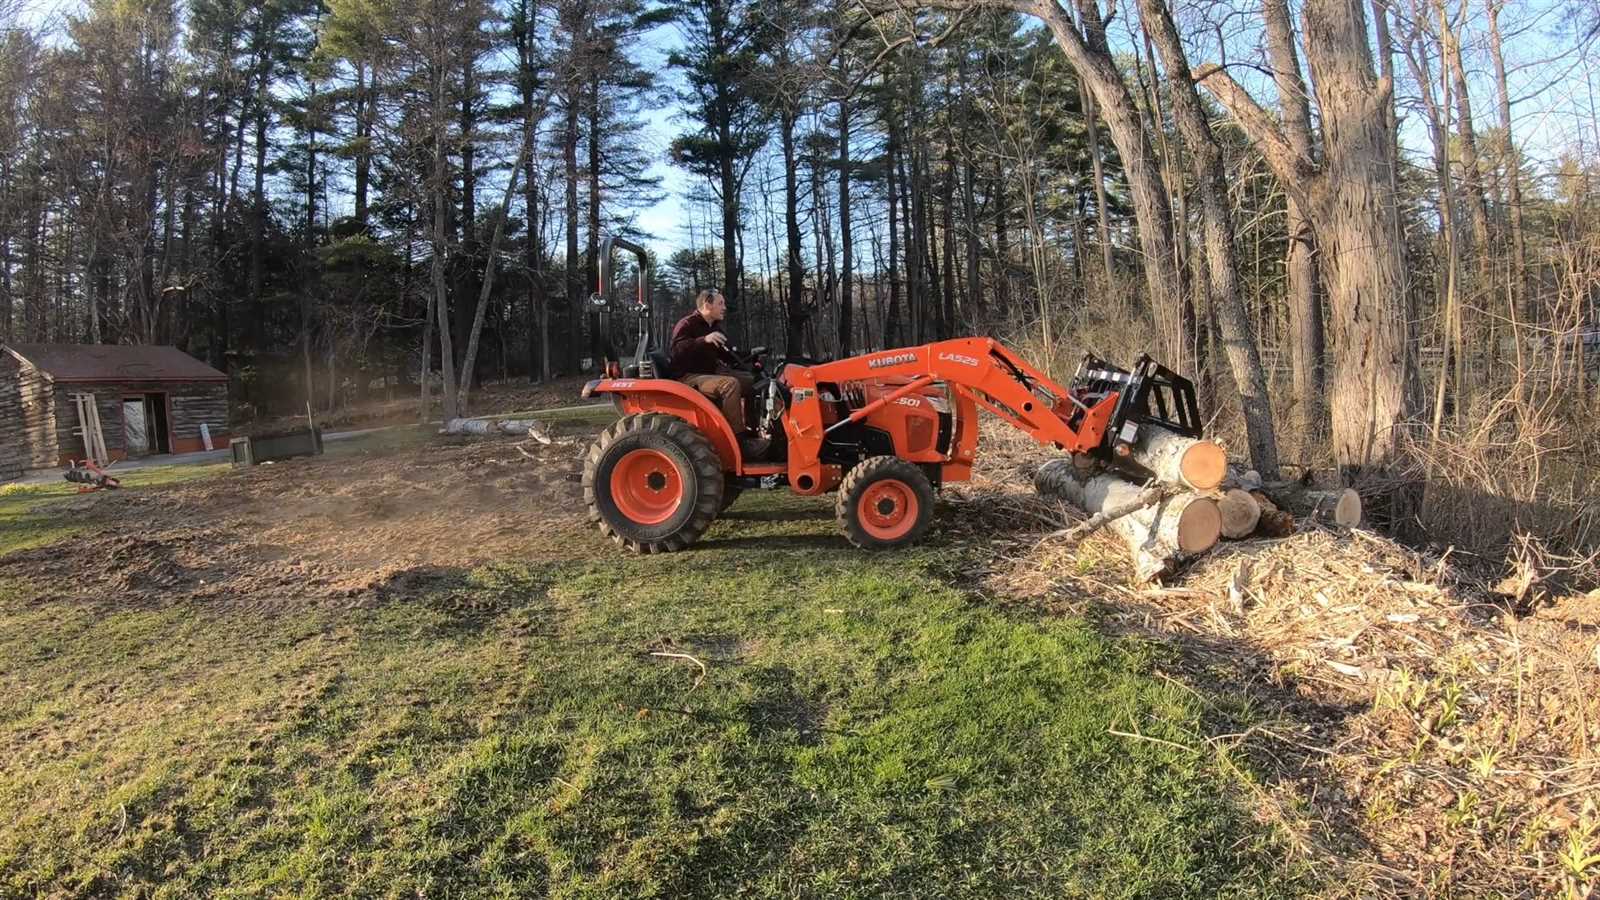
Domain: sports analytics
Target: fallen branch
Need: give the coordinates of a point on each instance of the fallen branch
(1150, 497)
(703, 670)
(1158, 535)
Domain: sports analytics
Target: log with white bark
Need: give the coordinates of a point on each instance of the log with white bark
(503, 426)
(1340, 507)
(1159, 535)
(1193, 463)
(1240, 513)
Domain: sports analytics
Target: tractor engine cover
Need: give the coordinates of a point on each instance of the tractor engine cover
(913, 421)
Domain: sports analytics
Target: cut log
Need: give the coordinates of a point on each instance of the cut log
(1194, 463)
(1158, 536)
(1274, 521)
(1340, 507)
(1240, 513)
(517, 427)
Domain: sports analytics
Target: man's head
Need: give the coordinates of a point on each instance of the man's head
(712, 305)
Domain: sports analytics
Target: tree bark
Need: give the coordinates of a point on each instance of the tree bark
(487, 290)
(891, 322)
(1351, 202)
(1306, 343)
(1513, 170)
(793, 263)
(1226, 302)
(441, 200)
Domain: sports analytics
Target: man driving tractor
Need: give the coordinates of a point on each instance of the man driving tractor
(700, 357)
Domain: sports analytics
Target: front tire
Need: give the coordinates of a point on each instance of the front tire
(653, 483)
(884, 502)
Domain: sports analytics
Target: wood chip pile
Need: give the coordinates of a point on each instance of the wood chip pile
(1413, 725)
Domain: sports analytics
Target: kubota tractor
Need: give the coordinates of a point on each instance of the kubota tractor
(885, 430)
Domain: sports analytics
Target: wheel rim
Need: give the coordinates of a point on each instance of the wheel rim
(645, 486)
(887, 509)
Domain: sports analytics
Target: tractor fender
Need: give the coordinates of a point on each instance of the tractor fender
(674, 398)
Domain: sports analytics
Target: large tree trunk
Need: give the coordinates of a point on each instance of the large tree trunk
(1306, 347)
(1513, 169)
(891, 321)
(793, 262)
(591, 251)
(1227, 304)
(441, 200)
(469, 361)
(467, 280)
(569, 159)
(1363, 265)
(1096, 69)
(1091, 116)
(1352, 205)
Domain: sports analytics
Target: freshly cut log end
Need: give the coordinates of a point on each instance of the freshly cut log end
(1186, 462)
(1240, 513)
(1199, 524)
(1203, 465)
(1340, 507)
(1345, 507)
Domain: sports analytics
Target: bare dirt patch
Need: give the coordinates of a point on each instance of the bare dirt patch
(356, 528)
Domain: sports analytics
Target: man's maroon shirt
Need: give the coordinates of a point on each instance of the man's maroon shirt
(690, 354)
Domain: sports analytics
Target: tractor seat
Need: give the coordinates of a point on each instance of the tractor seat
(662, 364)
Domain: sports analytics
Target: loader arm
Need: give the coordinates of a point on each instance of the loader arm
(991, 375)
(978, 371)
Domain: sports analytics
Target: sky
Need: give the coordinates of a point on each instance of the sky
(1555, 104)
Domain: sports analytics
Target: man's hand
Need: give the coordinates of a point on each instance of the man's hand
(717, 339)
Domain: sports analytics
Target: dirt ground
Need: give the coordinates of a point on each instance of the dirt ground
(355, 527)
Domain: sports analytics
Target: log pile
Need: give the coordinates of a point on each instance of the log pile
(1192, 500)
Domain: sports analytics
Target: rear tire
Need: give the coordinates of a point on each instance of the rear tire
(730, 493)
(884, 502)
(653, 483)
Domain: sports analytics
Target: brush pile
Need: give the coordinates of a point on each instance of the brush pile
(1413, 723)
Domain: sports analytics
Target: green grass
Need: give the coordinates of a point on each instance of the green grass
(31, 514)
(864, 729)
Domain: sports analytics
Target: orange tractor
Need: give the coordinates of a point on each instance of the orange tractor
(885, 430)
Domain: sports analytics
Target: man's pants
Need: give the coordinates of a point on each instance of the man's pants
(729, 388)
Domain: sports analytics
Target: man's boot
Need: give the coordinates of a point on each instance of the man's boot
(754, 447)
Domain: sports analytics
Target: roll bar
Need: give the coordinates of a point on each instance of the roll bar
(601, 298)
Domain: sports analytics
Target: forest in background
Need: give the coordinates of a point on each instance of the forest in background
(1325, 212)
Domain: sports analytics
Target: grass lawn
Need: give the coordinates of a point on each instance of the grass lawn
(861, 728)
(28, 520)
